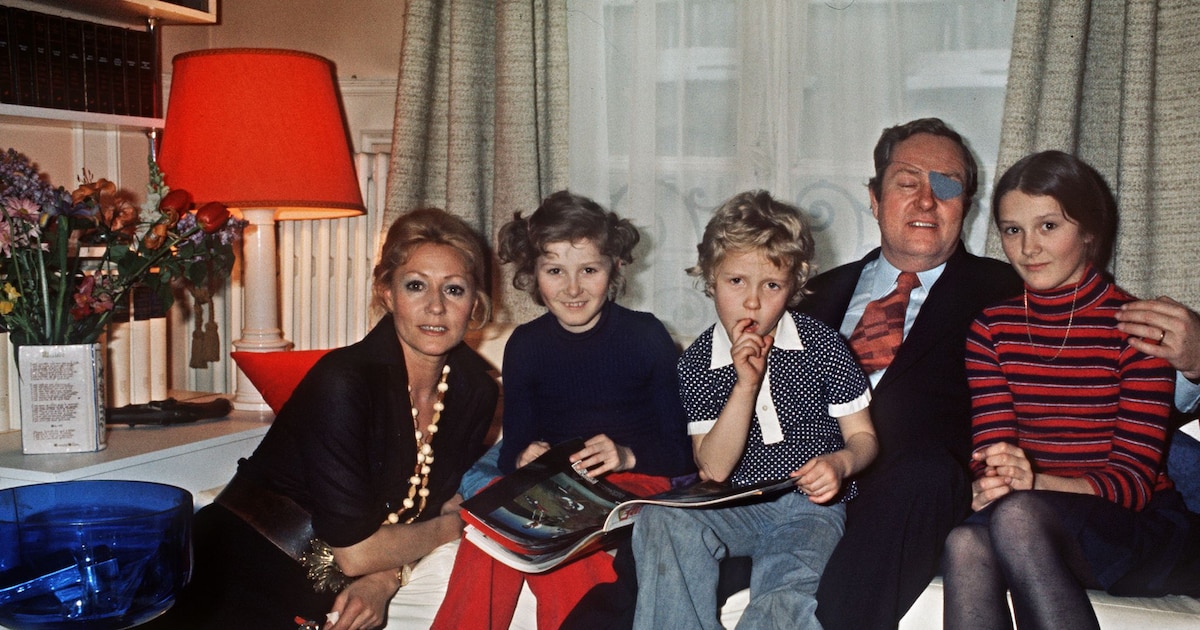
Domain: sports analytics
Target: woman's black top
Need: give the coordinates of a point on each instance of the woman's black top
(343, 445)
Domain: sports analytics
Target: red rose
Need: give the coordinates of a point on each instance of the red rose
(211, 216)
(176, 202)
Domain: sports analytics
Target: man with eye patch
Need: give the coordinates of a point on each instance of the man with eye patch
(924, 183)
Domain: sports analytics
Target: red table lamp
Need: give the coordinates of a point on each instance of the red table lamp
(261, 131)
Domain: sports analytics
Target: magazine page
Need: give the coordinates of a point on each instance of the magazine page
(696, 495)
(544, 505)
(710, 492)
(533, 563)
(546, 512)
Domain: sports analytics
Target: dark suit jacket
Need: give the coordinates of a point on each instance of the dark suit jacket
(922, 401)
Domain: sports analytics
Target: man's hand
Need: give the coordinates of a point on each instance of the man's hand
(1164, 328)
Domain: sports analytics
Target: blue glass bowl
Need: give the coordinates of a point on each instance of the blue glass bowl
(94, 555)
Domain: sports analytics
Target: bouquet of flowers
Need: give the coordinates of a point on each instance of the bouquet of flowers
(68, 260)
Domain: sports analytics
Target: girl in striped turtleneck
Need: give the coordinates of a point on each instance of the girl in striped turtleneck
(1070, 425)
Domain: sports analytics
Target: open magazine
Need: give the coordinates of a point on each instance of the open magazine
(547, 513)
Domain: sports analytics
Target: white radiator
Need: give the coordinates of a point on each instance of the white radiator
(325, 267)
(324, 284)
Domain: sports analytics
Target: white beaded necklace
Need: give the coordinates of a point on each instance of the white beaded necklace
(319, 561)
(418, 483)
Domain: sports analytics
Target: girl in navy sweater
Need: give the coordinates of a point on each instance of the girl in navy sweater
(588, 368)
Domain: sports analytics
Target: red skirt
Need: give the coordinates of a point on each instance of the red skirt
(483, 592)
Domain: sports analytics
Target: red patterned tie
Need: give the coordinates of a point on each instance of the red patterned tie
(881, 328)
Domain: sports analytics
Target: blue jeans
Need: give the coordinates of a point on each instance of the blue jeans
(678, 551)
(1183, 465)
(481, 473)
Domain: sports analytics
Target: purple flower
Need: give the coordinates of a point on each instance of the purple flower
(61, 205)
(186, 224)
(19, 178)
(231, 232)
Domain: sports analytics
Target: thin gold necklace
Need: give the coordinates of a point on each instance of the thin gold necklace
(1070, 320)
(418, 483)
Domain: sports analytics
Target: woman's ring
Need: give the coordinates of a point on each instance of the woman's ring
(1162, 336)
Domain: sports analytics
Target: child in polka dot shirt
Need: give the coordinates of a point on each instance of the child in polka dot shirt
(769, 393)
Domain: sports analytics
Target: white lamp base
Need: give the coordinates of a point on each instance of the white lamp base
(260, 330)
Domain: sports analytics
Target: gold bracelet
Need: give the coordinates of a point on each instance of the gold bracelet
(323, 569)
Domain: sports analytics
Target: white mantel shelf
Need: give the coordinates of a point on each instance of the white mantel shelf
(46, 116)
(195, 456)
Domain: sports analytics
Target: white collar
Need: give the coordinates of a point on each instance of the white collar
(786, 338)
(885, 275)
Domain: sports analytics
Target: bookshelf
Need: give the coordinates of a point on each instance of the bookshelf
(49, 116)
(122, 14)
(130, 13)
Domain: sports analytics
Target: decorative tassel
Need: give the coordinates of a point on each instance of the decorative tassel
(200, 351)
(212, 340)
(197, 361)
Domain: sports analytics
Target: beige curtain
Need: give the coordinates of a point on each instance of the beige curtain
(1118, 84)
(481, 116)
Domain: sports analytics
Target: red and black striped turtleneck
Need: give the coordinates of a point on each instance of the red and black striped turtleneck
(1076, 398)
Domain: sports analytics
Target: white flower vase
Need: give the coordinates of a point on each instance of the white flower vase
(62, 398)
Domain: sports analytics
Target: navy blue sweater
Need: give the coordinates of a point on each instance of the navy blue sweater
(618, 378)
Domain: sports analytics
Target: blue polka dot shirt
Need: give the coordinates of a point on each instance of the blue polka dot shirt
(812, 379)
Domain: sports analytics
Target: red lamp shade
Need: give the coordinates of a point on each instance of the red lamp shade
(261, 131)
(259, 128)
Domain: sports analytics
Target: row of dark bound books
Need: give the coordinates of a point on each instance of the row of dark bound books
(63, 63)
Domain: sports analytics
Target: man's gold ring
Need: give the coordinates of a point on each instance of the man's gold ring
(1162, 336)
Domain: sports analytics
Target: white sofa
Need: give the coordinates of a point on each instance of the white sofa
(416, 604)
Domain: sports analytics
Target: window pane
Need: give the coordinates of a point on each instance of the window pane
(704, 98)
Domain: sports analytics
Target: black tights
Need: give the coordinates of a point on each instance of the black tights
(1024, 549)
